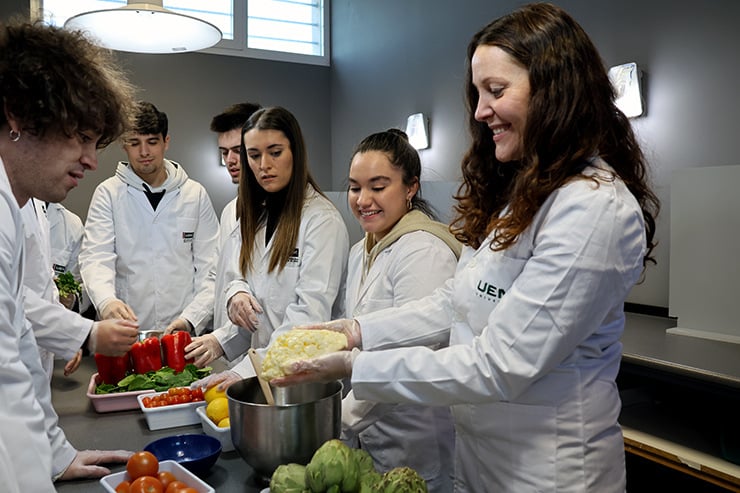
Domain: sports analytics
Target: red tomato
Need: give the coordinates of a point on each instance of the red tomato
(146, 484)
(175, 487)
(166, 477)
(123, 487)
(142, 464)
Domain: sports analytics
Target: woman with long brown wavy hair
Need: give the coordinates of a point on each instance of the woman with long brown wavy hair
(558, 221)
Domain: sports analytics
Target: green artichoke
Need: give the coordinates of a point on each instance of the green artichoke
(370, 482)
(402, 480)
(364, 461)
(288, 478)
(333, 468)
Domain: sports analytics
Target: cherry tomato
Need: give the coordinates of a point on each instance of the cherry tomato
(142, 464)
(175, 487)
(146, 484)
(123, 487)
(166, 477)
(187, 490)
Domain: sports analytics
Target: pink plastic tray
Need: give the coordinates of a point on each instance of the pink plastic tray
(105, 403)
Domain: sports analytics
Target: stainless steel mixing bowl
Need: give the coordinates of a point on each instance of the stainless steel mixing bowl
(302, 419)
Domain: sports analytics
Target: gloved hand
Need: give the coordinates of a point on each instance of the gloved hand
(204, 349)
(349, 327)
(178, 324)
(73, 364)
(242, 308)
(85, 463)
(116, 308)
(222, 379)
(326, 368)
(113, 337)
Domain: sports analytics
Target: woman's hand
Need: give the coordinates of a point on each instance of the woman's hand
(326, 368)
(222, 380)
(349, 327)
(243, 309)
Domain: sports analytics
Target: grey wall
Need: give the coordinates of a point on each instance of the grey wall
(191, 88)
(392, 58)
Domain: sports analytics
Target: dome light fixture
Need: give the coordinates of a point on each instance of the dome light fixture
(146, 28)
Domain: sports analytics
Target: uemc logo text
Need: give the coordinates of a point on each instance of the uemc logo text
(489, 291)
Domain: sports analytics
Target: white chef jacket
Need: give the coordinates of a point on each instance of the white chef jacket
(534, 346)
(23, 434)
(65, 235)
(305, 291)
(58, 331)
(227, 270)
(156, 261)
(420, 437)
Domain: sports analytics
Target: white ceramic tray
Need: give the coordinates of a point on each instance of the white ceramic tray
(120, 401)
(158, 418)
(223, 435)
(110, 481)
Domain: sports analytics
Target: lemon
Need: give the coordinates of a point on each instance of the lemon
(213, 393)
(224, 423)
(218, 409)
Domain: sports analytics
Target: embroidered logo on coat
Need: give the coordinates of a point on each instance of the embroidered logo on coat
(489, 292)
(187, 236)
(294, 257)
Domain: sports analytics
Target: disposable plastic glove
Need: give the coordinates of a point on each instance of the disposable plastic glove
(326, 368)
(179, 324)
(349, 327)
(203, 350)
(243, 309)
(222, 380)
(113, 337)
(86, 463)
(116, 308)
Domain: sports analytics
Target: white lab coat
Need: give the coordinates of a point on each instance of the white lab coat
(58, 331)
(156, 261)
(305, 291)
(227, 270)
(420, 437)
(65, 235)
(534, 347)
(25, 398)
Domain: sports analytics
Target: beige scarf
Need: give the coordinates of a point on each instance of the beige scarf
(410, 222)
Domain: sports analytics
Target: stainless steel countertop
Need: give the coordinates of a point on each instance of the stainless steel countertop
(87, 429)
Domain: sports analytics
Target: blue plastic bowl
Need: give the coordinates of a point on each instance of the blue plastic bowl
(196, 453)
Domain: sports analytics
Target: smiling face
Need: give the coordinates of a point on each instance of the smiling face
(228, 145)
(270, 158)
(146, 156)
(503, 99)
(377, 195)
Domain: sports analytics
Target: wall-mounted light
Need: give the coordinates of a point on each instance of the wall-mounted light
(146, 28)
(416, 129)
(625, 79)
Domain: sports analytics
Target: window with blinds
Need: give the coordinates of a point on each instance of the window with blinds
(286, 30)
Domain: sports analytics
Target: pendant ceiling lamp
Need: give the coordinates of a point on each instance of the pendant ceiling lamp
(146, 28)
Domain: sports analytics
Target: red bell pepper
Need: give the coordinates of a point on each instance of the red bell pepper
(146, 355)
(173, 347)
(112, 369)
